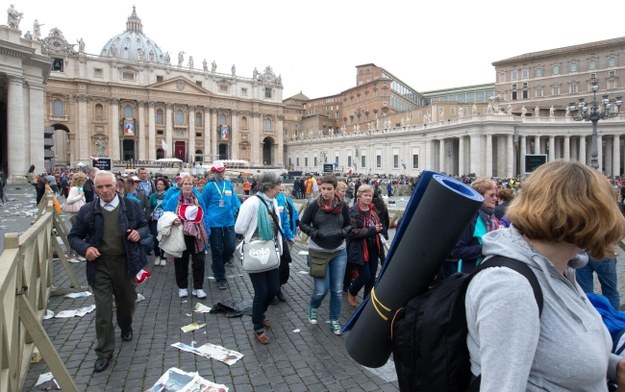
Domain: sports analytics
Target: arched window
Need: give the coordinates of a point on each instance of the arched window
(222, 119)
(99, 111)
(159, 117)
(179, 117)
(199, 155)
(243, 122)
(267, 124)
(198, 119)
(128, 112)
(58, 108)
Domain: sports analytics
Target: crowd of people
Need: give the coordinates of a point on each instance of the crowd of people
(136, 215)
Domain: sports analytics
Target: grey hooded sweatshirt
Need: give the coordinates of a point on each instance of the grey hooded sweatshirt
(567, 348)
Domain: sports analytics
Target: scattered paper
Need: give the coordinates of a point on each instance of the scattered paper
(48, 315)
(208, 350)
(178, 380)
(303, 252)
(140, 297)
(46, 382)
(192, 327)
(201, 308)
(80, 312)
(302, 272)
(296, 330)
(80, 294)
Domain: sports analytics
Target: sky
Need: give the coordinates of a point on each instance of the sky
(428, 45)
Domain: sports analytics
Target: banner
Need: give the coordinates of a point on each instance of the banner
(129, 127)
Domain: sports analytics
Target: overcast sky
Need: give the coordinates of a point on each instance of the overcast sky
(316, 45)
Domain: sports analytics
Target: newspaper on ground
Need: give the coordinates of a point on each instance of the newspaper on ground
(178, 380)
(80, 312)
(48, 315)
(192, 327)
(201, 308)
(209, 350)
(303, 252)
(46, 382)
(80, 294)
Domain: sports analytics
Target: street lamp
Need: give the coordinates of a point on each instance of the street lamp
(593, 112)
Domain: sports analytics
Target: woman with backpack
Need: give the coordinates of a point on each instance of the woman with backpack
(565, 208)
(326, 221)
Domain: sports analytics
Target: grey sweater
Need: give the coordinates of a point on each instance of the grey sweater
(567, 348)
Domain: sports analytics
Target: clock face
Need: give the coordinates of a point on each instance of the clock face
(56, 44)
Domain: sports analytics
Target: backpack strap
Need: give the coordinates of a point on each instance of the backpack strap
(518, 266)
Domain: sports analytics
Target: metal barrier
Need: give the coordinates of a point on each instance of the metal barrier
(25, 286)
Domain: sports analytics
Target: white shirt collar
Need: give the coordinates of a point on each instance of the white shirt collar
(113, 203)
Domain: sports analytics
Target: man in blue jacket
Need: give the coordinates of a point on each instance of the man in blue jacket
(222, 205)
(107, 232)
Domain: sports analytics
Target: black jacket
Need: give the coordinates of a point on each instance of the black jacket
(325, 228)
(88, 229)
(359, 236)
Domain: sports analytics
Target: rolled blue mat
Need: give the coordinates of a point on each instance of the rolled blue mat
(439, 210)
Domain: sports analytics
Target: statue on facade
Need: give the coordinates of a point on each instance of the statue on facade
(509, 109)
(37, 29)
(100, 147)
(552, 111)
(113, 50)
(523, 111)
(496, 99)
(205, 65)
(474, 110)
(213, 66)
(331, 131)
(28, 35)
(190, 64)
(536, 111)
(568, 111)
(234, 70)
(14, 17)
(81, 45)
(461, 112)
(180, 58)
(255, 74)
(140, 53)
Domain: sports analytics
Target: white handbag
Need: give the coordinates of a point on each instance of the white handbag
(259, 256)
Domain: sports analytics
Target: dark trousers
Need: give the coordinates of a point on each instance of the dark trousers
(111, 279)
(153, 230)
(266, 286)
(366, 277)
(222, 242)
(197, 266)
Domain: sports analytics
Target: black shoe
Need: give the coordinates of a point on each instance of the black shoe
(127, 336)
(281, 296)
(101, 364)
(223, 285)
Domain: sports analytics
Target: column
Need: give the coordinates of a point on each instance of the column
(256, 145)
(82, 132)
(441, 155)
(582, 150)
(114, 137)
(429, 154)
(510, 156)
(536, 144)
(552, 148)
(207, 136)
(151, 130)
(616, 155)
(608, 157)
(461, 159)
(600, 152)
(16, 131)
(489, 156)
(169, 128)
(279, 146)
(476, 155)
(214, 155)
(567, 148)
(191, 142)
(36, 122)
(235, 135)
(140, 137)
(523, 142)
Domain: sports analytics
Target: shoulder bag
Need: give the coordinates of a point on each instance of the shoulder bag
(259, 255)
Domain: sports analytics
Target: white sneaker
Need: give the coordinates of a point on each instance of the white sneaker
(157, 260)
(80, 258)
(73, 260)
(199, 293)
(183, 293)
(163, 262)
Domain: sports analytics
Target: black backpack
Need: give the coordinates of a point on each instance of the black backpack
(429, 334)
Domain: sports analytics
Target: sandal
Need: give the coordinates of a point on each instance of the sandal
(262, 338)
(266, 323)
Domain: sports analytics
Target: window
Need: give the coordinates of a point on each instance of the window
(267, 92)
(611, 84)
(378, 161)
(573, 67)
(395, 161)
(296, 161)
(243, 122)
(244, 92)
(130, 76)
(555, 69)
(502, 77)
(99, 112)
(223, 88)
(363, 161)
(98, 73)
(573, 87)
(513, 75)
(305, 161)
(415, 161)
(555, 89)
(336, 160)
(159, 79)
(538, 72)
(159, 117)
(128, 112)
(525, 73)
(57, 65)
(198, 119)
(612, 61)
(349, 161)
(179, 117)
(593, 63)
(199, 83)
(315, 161)
(267, 124)
(222, 119)
(58, 108)
(525, 91)
(514, 96)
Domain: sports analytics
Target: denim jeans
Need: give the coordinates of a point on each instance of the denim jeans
(222, 242)
(606, 272)
(333, 282)
(266, 286)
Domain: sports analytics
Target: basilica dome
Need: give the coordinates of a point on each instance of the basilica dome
(133, 45)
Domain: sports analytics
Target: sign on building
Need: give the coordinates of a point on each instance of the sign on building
(532, 161)
(102, 163)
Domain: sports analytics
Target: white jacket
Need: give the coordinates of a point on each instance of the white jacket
(170, 236)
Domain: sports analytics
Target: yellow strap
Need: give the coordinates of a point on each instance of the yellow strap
(377, 304)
